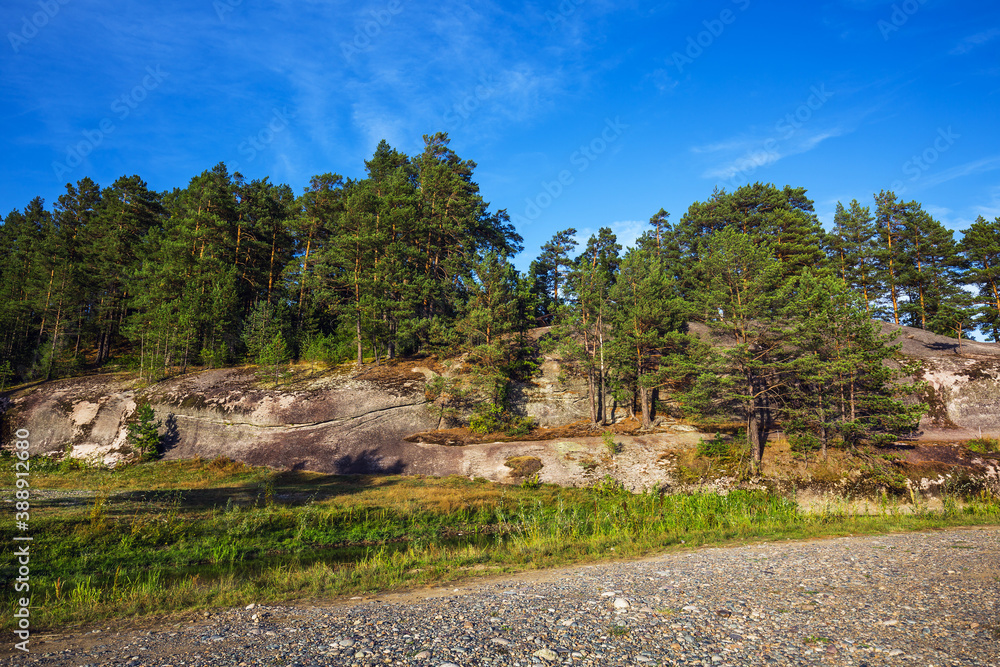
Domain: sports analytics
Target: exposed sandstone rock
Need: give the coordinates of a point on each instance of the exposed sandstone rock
(348, 422)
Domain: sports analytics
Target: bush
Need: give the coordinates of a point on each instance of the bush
(519, 426)
(609, 486)
(487, 419)
(609, 443)
(984, 445)
(332, 349)
(716, 448)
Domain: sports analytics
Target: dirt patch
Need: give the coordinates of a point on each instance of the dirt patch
(522, 467)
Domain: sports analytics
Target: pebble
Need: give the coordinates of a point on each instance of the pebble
(875, 601)
(546, 654)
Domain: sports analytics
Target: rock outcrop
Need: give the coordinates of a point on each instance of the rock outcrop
(346, 421)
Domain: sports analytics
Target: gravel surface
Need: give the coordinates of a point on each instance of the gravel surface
(914, 599)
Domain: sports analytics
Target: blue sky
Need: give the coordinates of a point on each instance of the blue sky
(580, 113)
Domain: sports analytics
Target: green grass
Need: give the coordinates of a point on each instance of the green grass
(176, 536)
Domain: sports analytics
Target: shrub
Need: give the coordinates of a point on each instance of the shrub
(519, 426)
(984, 445)
(609, 443)
(609, 486)
(487, 419)
(716, 448)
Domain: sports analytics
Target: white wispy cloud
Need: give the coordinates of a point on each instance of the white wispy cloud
(761, 152)
(961, 171)
(973, 41)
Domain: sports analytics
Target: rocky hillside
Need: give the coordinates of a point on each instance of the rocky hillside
(368, 421)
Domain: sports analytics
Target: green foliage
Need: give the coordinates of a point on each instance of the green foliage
(531, 483)
(330, 349)
(612, 447)
(608, 486)
(980, 247)
(274, 354)
(132, 550)
(6, 373)
(216, 356)
(519, 426)
(143, 433)
(487, 418)
(984, 445)
(717, 447)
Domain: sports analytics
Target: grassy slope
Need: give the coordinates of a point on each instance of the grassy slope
(179, 535)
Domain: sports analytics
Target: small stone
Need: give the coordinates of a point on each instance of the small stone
(346, 643)
(891, 622)
(621, 603)
(546, 654)
(423, 655)
(895, 652)
(250, 606)
(501, 641)
(690, 607)
(447, 664)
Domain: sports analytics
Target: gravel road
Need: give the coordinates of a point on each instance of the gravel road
(914, 599)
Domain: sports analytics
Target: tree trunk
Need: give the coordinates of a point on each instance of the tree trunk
(757, 435)
(644, 392)
(591, 391)
(361, 359)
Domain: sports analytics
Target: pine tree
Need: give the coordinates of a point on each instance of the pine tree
(492, 327)
(750, 309)
(550, 269)
(143, 433)
(981, 248)
(648, 318)
(853, 247)
(930, 275)
(848, 374)
(585, 323)
(890, 223)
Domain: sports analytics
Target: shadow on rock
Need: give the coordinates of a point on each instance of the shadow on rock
(367, 462)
